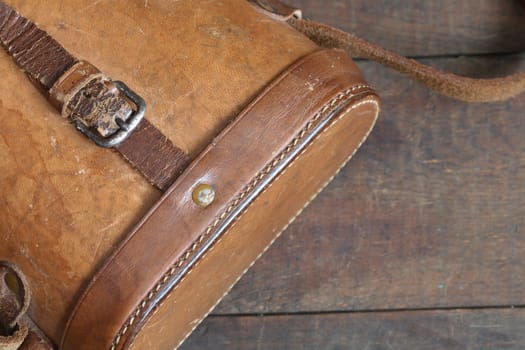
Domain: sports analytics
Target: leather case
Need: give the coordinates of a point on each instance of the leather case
(264, 116)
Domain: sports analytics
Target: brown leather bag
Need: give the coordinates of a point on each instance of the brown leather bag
(135, 212)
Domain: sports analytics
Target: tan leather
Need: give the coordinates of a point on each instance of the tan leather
(177, 231)
(139, 275)
(61, 91)
(65, 203)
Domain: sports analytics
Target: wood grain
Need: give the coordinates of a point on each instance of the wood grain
(430, 213)
(431, 330)
(427, 28)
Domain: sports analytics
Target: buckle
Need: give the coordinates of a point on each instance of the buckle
(126, 127)
(104, 110)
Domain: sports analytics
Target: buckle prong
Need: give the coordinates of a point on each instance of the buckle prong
(122, 124)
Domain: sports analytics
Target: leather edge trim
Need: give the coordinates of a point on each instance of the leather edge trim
(321, 188)
(182, 267)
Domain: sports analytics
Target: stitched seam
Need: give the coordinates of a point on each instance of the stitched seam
(248, 188)
(321, 188)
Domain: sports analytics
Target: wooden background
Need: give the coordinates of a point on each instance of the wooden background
(419, 243)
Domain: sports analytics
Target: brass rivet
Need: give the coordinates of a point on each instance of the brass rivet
(203, 195)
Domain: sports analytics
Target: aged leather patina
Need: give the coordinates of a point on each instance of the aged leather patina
(109, 256)
(71, 205)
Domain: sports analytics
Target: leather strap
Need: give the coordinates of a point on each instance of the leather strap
(107, 112)
(458, 87)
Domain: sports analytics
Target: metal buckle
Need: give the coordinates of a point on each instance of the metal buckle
(126, 127)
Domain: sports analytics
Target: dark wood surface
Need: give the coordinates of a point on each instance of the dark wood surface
(419, 243)
(427, 28)
(410, 330)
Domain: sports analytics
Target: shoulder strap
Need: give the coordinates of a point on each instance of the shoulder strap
(458, 87)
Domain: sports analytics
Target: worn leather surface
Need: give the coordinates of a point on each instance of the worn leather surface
(161, 170)
(24, 339)
(44, 59)
(84, 93)
(177, 230)
(86, 96)
(65, 203)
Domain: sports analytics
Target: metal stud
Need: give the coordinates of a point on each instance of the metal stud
(203, 195)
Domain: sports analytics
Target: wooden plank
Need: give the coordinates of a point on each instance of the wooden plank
(430, 213)
(427, 28)
(422, 330)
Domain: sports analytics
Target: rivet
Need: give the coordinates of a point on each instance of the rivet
(203, 195)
